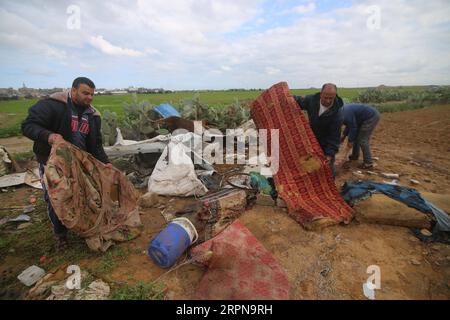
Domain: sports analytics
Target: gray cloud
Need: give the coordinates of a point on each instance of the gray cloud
(188, 43)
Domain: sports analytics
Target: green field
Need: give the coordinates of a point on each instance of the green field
(13, 112)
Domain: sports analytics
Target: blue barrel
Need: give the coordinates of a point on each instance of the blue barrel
(169, 245)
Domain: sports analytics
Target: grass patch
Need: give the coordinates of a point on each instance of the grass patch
(23, 156)
(109, 260)
(7, 240)
(10, 131)
(139, 291)
(390, 107)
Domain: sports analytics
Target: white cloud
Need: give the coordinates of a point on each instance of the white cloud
(152, 51)
(110, 49)
(302, 9)
(272, 71)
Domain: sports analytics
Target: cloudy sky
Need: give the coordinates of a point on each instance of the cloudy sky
(215, 44)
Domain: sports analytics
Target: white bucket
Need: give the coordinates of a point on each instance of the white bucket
(188, 226)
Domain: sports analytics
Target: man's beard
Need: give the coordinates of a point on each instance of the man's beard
(80, 103)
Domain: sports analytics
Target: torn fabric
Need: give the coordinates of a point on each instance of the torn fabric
(94, 201)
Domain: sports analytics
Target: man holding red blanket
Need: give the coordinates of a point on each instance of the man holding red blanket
(325, 118)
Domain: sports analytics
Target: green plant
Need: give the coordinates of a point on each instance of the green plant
(139, 291)
(194, 109)
(108, 261)
(23, 156)
(10, 131)
(140, 121)
(109, 127)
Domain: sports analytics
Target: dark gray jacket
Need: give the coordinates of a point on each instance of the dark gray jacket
(53, 115)
(327, 127)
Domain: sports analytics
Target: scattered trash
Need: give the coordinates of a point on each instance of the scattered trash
(33, 179)
(20, 218)
(29, 209)
(97, 290)
(415, 163)
(29, 177)
(358, 174)
(174, 173)
(261, 183)
(394, 182)
(214, 212)
(120, 141)
(414, 181)
(372, 173)
(376, 158)
(390, 175)
(24, 225)
(426, 233)
(13, 179)
(154, 145)
(427, 180)
(31, 275)
(7, 163)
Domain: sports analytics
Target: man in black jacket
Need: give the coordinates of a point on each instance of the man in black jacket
(65, 116)
(325, 118)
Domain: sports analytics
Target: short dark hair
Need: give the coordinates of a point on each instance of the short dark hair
(328, 84)
(83, 80)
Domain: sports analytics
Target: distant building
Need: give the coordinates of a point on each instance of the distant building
(117, 92)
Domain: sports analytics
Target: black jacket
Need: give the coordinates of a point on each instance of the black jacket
(53, 115)
(327, 127)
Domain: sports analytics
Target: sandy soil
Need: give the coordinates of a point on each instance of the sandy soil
(332, 263)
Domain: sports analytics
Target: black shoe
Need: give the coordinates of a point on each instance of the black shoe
(367, 166)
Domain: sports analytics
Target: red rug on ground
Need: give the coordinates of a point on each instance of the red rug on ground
(304, 179)
(239, 268)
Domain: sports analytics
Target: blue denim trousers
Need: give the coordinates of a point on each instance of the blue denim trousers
(58, 228)
(363, 139)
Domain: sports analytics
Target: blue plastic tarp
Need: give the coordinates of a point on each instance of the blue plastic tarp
(353, 192)
(166, 110)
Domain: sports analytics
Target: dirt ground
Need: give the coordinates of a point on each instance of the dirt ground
(327, 264)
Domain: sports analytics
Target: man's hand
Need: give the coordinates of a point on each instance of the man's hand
(109, 165)
(349, 145)
(55, 138)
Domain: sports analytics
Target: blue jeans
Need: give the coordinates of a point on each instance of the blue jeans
(58, 228)
(363, 139)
